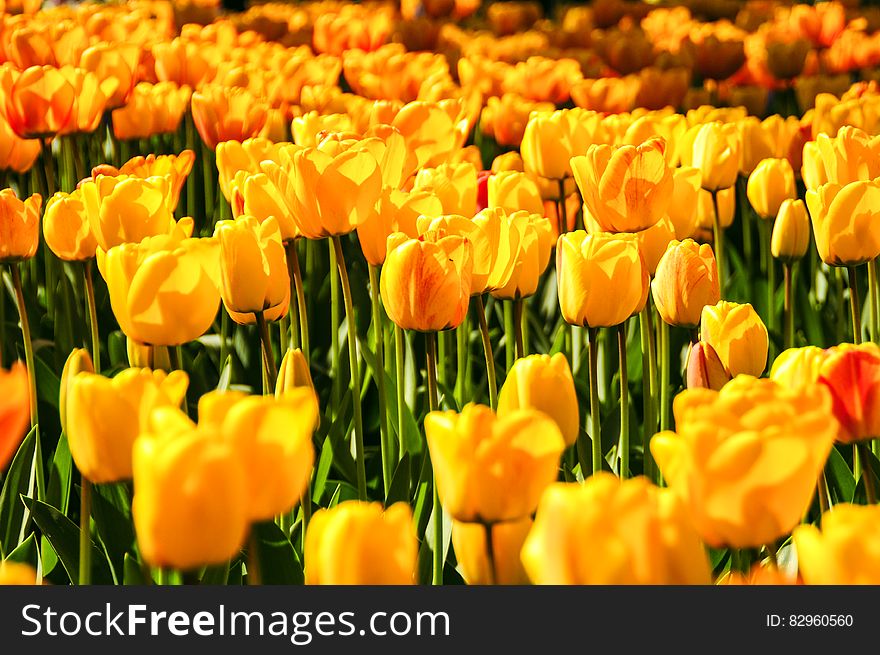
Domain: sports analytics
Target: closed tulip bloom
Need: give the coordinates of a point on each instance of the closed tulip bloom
(813, 167)
(494, 240)
(90, 100)
(844, 222)
(685, 193)
(602, 278)
(704, 368)
(272, 439)
(791, 231)
(190, 502)
(396, 211)
(508, 161)
(738, 335)
(117, 62)
(123, 209)
(330, 194)
(771, 183)
(551, 139)
(19, 226)
(844, 551)
(685, 282)
(293, 373)
(66, 228)
(469, 541)
(39, 102)
(164, 291)
(612, 531)
(256, 195)
(745, 459)
(78, 361)
(796, 367)
(227, 113)
(253, 269)
(513, 191)
(425, 285)
(715, 152)
(454, 184)
(105, 416)
(535, 246)
(852, 375)
(654, 241)
(626, 189)
(491, 468)
(14, 410)
(543, 383)
(850, 156)
(358, 543)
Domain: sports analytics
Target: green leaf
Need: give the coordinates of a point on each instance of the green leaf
(132, 574)
(48, 384)
(63, 534)
(322, 470)
(26, 552)
(398, 491)
(111, 512)
(118, 350)
(278, 561)
(216, 575)
(225, 375)
(17, 481)
(841, 483)
(58, 491)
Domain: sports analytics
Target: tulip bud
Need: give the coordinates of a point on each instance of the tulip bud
(358, 543)
(844, 551)
(704, 368)
(535, 245)
(79, 361)
(19, 226)
(738, 335)
(469, 541)
(227, 113)
(543, 383)
(716, 153)
(686, 281)
(66, 228)
(791, 231)
(14, 410)
(769, 185)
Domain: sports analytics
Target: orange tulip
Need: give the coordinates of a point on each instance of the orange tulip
(535, 246)
(505, 118)
(151, 109)
(184, 62)
(686, 281)
(117, 62)
(90, 102)
(16, 154)
(19, 226)
(38, 102)
(396, 211)
(14, 410)
(226, 114)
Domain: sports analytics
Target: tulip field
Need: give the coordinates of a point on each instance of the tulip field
(439, 293)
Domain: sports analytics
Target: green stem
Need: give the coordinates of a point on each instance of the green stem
(296, 277)
(335, 319)
(85, 539)
(487, 349)
(306, 503)
(384, 433)
(400, 373)
(718, 240)
(788, 308)
(434, 405)
(191, 182)
(648, 385)
(208, 181)
(855, 304)
(576, 343)
(93, 314)
(822, 492)
(461, 337)
(560, 207)
(663, 338)
(875, 301)
(509, 339)
(767, 227)
(224, 339)
(355, 370)
(26, 338)
(518, 327)
(623, 445)
(269, 357)
(868, 473)
(490, 554)
(771, 553)
(595, 410)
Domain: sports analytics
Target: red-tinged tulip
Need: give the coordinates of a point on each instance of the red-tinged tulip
(39, 102)
(852, 374)
(705, 370)
(14, 410)
(226, 114)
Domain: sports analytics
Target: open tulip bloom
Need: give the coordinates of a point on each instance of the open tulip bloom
(400, 293)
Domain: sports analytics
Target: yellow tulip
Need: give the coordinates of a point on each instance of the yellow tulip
(190, 502)
(255, 195)
(490, 469)
(771, 183)
(307, 129)
(117, 62)
(19, 226)
(536, 243)
(151, 109)
(791, 231)
(706, 209)
(543, 383)
(78, 361)
(175, 167)
(716, 152)
(293, 373)
(772, 137)
(234, 156)
(685, 192)
(654, 241)
(850, 156)
(454, 184)
(685, 282)
(66, 227)
(798, 367)
(737, 334)
(432, 130)
(164, 290)
(602, 278)
(813, 167)
(105, 416)
(844, 551)
(358, 543)
(551, 139)
(627, 188)
(505, 117)
(396, 211)
(612, 531)
(469, 541)
(745, 459)
(844, 220)
(253, 269)
(425, 285)
(513, 191)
